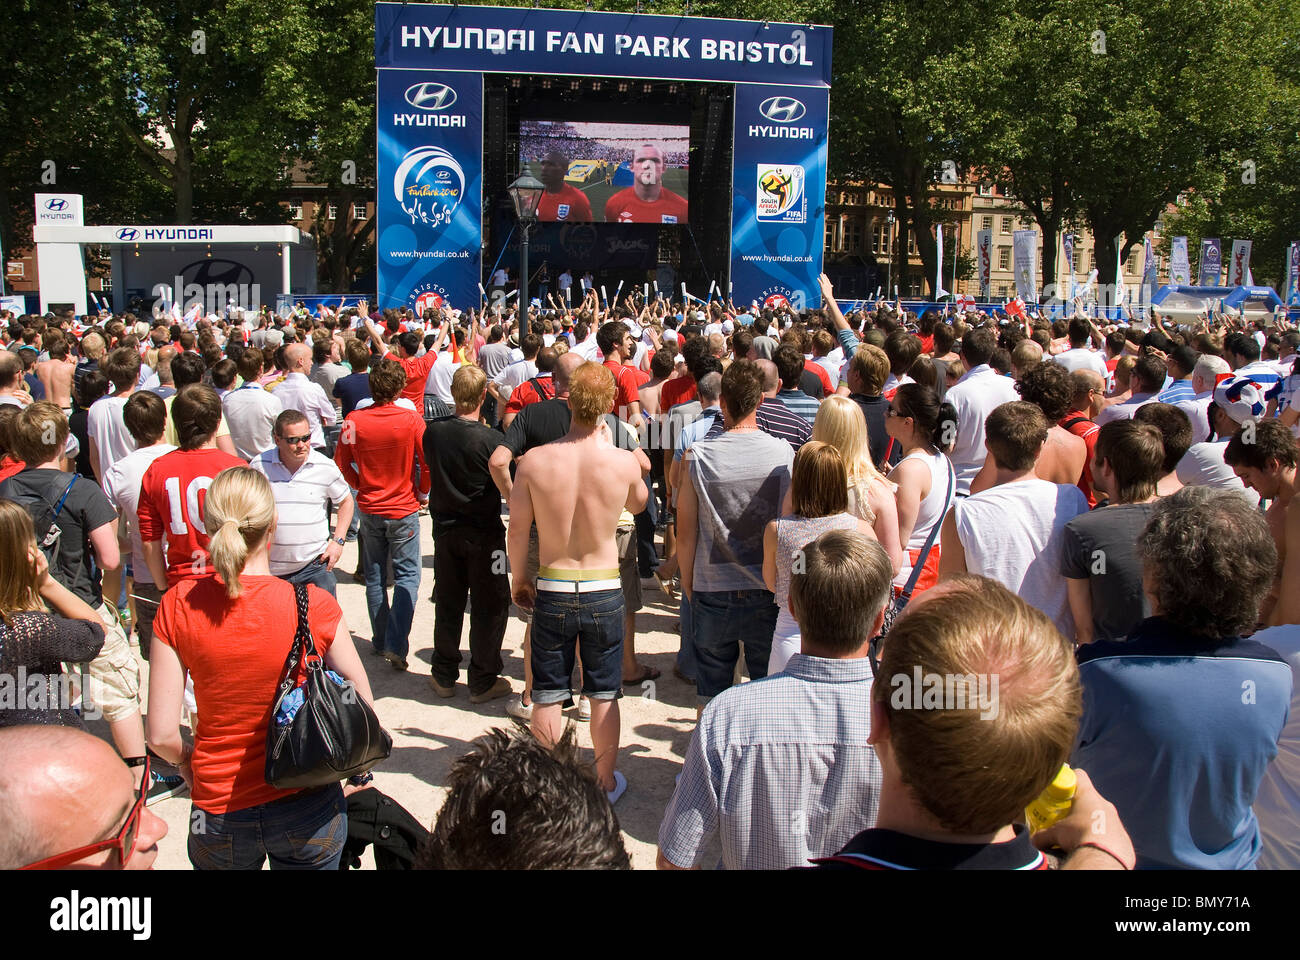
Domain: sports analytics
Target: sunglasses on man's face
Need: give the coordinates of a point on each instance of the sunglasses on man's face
(305, 438)
(123, 843)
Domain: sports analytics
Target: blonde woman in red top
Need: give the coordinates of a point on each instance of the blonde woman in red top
(231, 632)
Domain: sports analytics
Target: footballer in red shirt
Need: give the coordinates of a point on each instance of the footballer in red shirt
(647, 200)
(172, 492)
(561, 202)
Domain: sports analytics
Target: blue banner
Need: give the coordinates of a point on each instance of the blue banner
(575, 42)
(430, 188)
(778, 194)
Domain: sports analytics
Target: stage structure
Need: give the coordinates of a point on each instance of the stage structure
(670, 146)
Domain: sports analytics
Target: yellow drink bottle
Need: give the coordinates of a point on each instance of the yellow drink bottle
(1054, 802)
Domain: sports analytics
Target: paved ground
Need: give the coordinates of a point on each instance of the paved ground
(429, 733)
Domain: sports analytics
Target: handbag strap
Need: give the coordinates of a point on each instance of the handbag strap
(929, 541)
(303, 646)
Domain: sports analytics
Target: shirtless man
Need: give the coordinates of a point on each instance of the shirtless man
(1265, 460)
(56, 374)
(575, 489)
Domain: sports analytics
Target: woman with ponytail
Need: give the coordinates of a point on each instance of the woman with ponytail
(841, 423)
(231, 632)
(926, 429)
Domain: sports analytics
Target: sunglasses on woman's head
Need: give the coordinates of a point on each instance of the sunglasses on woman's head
(123, 842)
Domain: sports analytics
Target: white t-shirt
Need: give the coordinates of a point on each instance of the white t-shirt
(1203, 465)
(1198, 411)
(122, 487)
(104, 425)
(977, 394)
(440, 376)
(499, 278)
(1124, 410)
(1277, 804)
(1081, 358)
(250, 415)
(1012, 533)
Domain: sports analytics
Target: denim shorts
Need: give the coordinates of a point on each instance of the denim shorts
(593, 622)
(724, 619)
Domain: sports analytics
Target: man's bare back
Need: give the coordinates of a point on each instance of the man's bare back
(56, 375)
(1062, 458)
(574, 489)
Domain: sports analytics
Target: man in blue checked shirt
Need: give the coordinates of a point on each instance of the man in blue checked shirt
(781, 767)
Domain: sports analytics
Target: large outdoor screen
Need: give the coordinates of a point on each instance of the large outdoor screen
(608, 172)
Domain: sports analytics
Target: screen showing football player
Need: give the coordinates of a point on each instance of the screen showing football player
(560, 201)
(647, 200)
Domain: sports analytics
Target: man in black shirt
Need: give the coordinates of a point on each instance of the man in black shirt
(868, 370)
(469, 544)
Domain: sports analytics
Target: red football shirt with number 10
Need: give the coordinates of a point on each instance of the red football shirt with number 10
(171, 505)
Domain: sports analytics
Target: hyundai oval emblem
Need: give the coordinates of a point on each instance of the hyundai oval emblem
(781, 109)
(58, 203)
(430, 95)
(127, 233)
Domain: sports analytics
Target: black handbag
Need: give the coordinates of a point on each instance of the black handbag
(333, 735)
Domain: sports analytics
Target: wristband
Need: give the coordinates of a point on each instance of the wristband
(1109, 853)
(361, 779)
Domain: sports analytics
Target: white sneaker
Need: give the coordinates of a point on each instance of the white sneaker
(620, 788)
(517, 708)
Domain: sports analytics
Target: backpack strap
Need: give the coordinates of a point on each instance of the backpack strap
(1074, 422)
(58, 508)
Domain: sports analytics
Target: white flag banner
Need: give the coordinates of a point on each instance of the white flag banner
(1025, 261)
(1180, 266)
(939, 291)
(984, 248)
(1239, 265)
(1119, 269)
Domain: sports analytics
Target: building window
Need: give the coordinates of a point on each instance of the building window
(986, 223)
(1004, 258)
(332, 212)
(106, 284)
(1132, 263)
(1006, 224)
(986, 189)
(1002, 290)
(358, 211)
(853, 235)
(832, 234)
(1076, 259)
(295, 209)
(911, 244)
(1092, 260)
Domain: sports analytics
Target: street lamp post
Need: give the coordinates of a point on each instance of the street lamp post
(889, 253)
(526, 194)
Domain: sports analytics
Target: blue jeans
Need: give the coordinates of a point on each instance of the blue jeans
(390, 628)
(686, 661)
(724, 618)
(316, 573)
(306, 831)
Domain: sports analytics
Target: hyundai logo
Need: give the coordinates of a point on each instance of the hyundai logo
(58, 203)
(128, 233)
(781, 109)
(430, 96)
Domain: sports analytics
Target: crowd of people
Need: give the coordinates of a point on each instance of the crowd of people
(950, 553)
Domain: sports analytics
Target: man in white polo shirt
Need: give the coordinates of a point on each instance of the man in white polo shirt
(305, 483)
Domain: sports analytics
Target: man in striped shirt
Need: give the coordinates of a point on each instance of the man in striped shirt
(305, 483)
